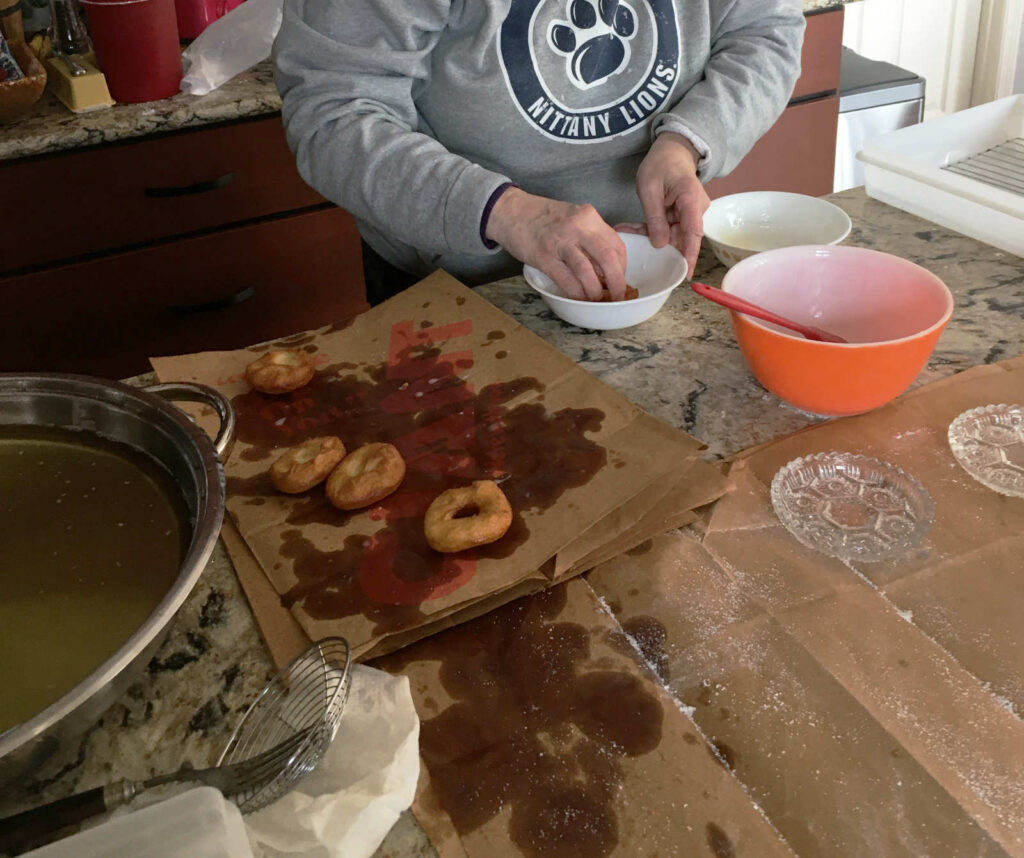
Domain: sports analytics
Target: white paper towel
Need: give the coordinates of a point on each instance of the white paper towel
(367, 778)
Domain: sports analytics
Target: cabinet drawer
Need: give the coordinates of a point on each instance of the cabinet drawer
(112, 196)
(225, 290)
(822, 55)
(798, 154)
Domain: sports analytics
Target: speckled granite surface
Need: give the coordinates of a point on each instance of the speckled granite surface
(682, 366)
(51, 127)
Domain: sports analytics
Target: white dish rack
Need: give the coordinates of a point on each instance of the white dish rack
(964, 171)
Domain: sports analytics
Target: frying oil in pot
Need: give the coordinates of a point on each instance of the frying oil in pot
(92, 535)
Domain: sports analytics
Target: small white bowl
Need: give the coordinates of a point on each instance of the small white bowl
(741, 225)
(653, 271)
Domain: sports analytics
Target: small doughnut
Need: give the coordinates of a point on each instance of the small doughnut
(365, 476)
(280, 371)
(302, 467)
(473, 515)
(631, 293)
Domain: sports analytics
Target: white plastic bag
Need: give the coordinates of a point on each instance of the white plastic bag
(230, 45)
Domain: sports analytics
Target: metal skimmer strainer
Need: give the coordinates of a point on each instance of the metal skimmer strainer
(281, 738)
(308, 697)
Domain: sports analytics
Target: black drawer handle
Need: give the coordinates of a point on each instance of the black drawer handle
(217, 304)
(197, 188)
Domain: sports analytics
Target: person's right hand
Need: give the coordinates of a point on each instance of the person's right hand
(570, 243)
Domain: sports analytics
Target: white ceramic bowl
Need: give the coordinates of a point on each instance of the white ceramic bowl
(653, 272)
(741, 225)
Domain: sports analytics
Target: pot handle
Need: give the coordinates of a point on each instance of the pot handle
(188, 392)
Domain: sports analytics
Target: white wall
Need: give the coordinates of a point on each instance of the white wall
(1018, 80)
(937, 39)
(999, 68)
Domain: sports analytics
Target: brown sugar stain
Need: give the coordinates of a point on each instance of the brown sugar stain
(460, 301)
(340, 325)
(258, 485)
(641, 549)
(426, 323)
(449, 435)
(719, 842)
(501, 355)
(723, 754)
(690, 739)
(253, 454)
(531, 731)
(329, 585)
(649, 635)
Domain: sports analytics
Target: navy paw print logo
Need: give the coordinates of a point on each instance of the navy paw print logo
(595, 40)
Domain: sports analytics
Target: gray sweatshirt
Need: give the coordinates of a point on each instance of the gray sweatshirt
(411, 113)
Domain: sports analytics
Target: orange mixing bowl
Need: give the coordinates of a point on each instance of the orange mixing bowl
(890, 311)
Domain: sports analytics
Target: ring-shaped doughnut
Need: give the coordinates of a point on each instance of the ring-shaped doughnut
(280, 371)
(302, 467)
(366, 475)
(462, 518)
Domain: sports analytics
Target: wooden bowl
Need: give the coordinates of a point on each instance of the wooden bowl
(17, 96)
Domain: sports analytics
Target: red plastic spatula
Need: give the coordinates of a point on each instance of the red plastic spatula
(726, 299)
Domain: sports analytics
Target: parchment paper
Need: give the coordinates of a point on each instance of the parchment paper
(870, 710)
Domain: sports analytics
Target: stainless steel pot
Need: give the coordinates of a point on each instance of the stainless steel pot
(145, 419)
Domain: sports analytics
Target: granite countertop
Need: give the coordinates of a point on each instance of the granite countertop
(50, 127)
(682, 366)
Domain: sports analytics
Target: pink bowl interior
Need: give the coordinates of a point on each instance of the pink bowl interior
(862, 295)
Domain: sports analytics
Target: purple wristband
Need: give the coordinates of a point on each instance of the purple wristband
(498, 191)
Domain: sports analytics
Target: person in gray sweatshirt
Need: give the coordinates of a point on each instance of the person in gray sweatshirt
(476, 135)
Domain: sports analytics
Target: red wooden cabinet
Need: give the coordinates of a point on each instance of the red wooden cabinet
(200, 240)
(798, 153)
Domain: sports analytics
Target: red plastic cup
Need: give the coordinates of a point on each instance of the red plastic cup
(137, 47)
(194, 16)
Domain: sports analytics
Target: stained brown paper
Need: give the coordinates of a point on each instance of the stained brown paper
(466, 393)
(542, 735)
(835, 712)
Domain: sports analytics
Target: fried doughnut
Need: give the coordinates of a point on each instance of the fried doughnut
(280, 371)
(631, 293)
(302, 467)
(365, 476)
(462, 518)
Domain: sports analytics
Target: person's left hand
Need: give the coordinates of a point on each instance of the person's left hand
(673, 198)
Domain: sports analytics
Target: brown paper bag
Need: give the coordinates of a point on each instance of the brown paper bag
(868, 710)
(465, 393)
(542, 735)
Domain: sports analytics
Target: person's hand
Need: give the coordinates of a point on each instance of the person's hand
(570, 243)
(673, 198)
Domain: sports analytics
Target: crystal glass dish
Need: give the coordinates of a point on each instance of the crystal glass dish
(851, 507)
(988, 443)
